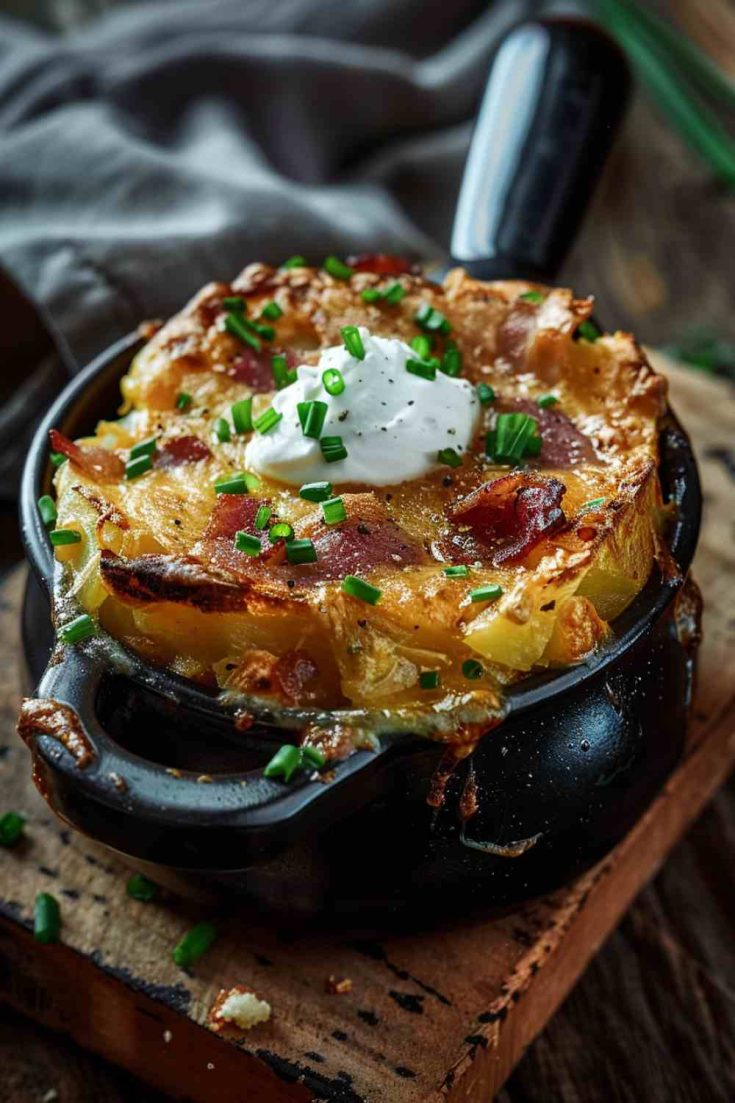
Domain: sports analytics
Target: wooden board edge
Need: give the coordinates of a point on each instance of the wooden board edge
(64, 990)
(603, 896)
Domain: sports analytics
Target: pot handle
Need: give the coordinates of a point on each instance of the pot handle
(144, 809)
(556, 94)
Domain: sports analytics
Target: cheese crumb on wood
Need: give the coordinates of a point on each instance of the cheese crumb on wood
(238, 1007)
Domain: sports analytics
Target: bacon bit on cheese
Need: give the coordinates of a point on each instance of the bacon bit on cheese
(513, 513)
(381, 264)
(179, 450)
(98, 463)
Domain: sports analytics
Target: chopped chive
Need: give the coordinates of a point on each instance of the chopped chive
(262, 517)
(426, 369)
(285, 762)
(60, 537)
(370, 295)
(432, 320)
(143, 448)
(333, 449)
(452, 360)
(222, 430)
(135, 468)
(593, 504)
(491, 592)
(514, 436)
(242, 415)
(248, 544)
(300, 551)
(458, 570)
(271, 311)
(546, 400)
(394, 294)
(334, 511)
(81, 628)
(140, 888)
(194, 943)
(183, 401)
(485, 394)
(449, 456)
(472, 669)
(267, 420)
(252, 482)
(532, 297)
(231, 484)
(266, 332)
(282, 374)
(422, 344)
(312, 416)
(312, 756)
(236, 325)
(11, 829)
(57, 458)
(280, 531)
(46, 918)
(295, 262)
(429, 679)
(337, 268)
(333, 381)
(359, 588)
(234, 302)
(589, 331)
(316, 492)
(353, 341)
(47, 509)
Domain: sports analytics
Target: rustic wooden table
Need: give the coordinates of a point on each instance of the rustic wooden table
(654, 1016)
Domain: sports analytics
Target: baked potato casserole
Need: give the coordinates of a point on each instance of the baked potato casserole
(349, 488)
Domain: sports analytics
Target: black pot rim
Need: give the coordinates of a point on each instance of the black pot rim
(679, 479)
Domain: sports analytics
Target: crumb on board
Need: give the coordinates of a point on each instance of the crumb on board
(337, 986)
(238, 1007)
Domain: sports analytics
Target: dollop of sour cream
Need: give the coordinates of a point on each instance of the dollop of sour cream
(392, 423)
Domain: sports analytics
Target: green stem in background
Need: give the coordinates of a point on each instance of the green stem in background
(651, 57)
(697, 65)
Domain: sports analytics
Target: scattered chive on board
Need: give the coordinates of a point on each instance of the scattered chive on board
(46, 919)
(140, 888)
(12, 825)
(193, 944)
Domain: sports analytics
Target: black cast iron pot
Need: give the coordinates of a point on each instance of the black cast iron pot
(173, 784)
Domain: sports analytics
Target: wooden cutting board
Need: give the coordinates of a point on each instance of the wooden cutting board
(440, 1016)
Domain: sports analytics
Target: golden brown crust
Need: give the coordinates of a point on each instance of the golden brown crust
(176, 587)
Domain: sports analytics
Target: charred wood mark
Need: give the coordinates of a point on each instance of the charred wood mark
(47, 871)
(315, 1057)
(339, 1035)
(368, 1017)
(475, 1040)
(376, 952)
(262, 959)
(404, 1073)
(498, 1016)
(408, 1001)
(175, 996)
(71, 894)
(336, 1090)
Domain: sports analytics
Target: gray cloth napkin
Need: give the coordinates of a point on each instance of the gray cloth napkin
(169, 144)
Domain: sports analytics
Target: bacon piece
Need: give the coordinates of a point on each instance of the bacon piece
(235, 513)
(513, 514)
(381, 264)
(292, 672)
(516, 332)
(99, 464)
(368, 538)
(562, 443)
(255, 369)
(181, 450)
